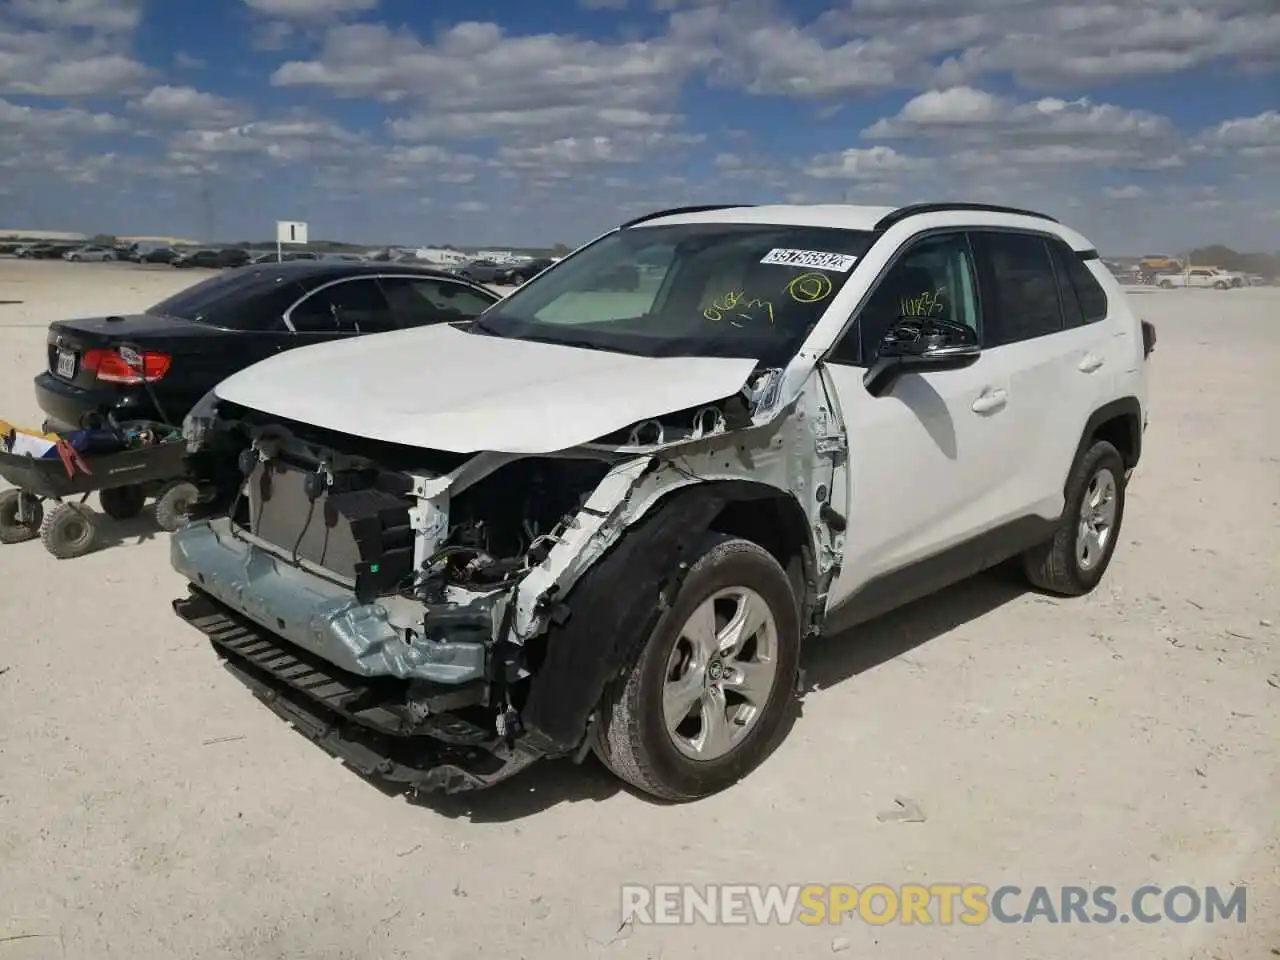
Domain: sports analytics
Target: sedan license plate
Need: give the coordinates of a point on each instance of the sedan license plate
(66, 364)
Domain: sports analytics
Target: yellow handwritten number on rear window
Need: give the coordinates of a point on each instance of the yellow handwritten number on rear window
(809, 288)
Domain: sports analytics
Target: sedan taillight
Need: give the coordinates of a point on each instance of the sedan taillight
(125, 366)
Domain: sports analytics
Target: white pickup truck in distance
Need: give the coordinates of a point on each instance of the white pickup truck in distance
(1206, 277)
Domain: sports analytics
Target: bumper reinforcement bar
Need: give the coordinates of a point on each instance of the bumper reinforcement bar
(357, 720)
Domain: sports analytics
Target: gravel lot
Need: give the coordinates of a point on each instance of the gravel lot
(150, 808)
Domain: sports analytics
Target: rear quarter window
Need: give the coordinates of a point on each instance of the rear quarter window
(247, 301)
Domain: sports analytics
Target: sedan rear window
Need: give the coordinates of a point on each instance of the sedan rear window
(243, 300)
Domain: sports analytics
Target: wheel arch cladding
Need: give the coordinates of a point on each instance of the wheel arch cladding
(1120, 424)
(613, 608)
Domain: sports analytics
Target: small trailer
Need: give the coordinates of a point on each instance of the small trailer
(125, 465)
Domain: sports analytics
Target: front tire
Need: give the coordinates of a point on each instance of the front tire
(1073, 562)
(704, 702)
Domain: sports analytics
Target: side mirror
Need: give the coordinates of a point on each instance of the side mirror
(920, 345)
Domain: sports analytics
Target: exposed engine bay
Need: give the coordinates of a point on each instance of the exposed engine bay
(426, 599)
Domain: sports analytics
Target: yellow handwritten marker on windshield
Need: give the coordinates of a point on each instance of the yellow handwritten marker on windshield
(809, 288)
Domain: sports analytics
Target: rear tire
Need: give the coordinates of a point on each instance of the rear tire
(668, 725)
(1073, 562)
(12, 529)
(122, 503)
(68, 532)
(174, 504)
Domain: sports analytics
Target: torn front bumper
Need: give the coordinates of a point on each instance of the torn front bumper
(408, 732)
(321, 616)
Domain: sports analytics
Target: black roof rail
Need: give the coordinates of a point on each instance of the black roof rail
(916, 209)
(675, 211)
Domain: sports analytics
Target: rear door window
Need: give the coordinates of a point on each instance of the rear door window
(1020, 296)
(350, 306)
(419, 301)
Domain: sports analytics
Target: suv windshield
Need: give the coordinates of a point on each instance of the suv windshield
(745, 290)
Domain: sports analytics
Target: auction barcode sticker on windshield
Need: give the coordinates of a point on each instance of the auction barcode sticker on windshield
(813, 259)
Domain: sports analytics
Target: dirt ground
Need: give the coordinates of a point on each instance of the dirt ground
(150, 808)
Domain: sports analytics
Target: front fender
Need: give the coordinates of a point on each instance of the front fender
(613, 607)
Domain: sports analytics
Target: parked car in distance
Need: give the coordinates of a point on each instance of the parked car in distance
(608, 514)
(286, 256)
(153, 255)
(216, 259)
(185, 344)
(524, 272)
(482, 271)
(89, 253)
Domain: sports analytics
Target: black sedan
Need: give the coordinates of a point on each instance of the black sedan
(216, 259)
(157, 364)
(154, 255)
(482, 271)
(524, 272)
(42, 251)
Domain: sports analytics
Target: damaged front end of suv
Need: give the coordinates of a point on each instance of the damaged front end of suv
(445, 619)
(446, 553)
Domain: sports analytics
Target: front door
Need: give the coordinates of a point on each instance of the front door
(927, 460)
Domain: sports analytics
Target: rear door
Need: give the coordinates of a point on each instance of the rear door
(348, 307)
(1060, 366)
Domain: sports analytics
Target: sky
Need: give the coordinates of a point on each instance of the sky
(1150, 125)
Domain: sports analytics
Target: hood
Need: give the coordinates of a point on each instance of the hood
(444, 389)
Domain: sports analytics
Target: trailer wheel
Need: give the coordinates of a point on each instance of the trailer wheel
(67, 531)
(19, 518)
(122, 503)
(173, 505)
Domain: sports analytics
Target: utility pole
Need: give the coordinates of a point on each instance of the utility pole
(206, 207)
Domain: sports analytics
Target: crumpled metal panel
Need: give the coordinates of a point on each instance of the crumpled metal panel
(311, 612)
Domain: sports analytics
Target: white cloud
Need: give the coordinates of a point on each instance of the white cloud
(106, 15)
(16, 119)
(1129, 191)
(189, 106)
(475, 80)
(588, 151)
(1254, 137)
(874, 163)
(287, 140)
(37, 65)
(978, 128)
(309, 9)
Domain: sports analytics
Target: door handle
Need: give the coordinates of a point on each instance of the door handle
(1090, 363)
(990, 402)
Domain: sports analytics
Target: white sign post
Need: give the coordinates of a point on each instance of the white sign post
(289, 231)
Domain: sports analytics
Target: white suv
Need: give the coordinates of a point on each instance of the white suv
(607, 514)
